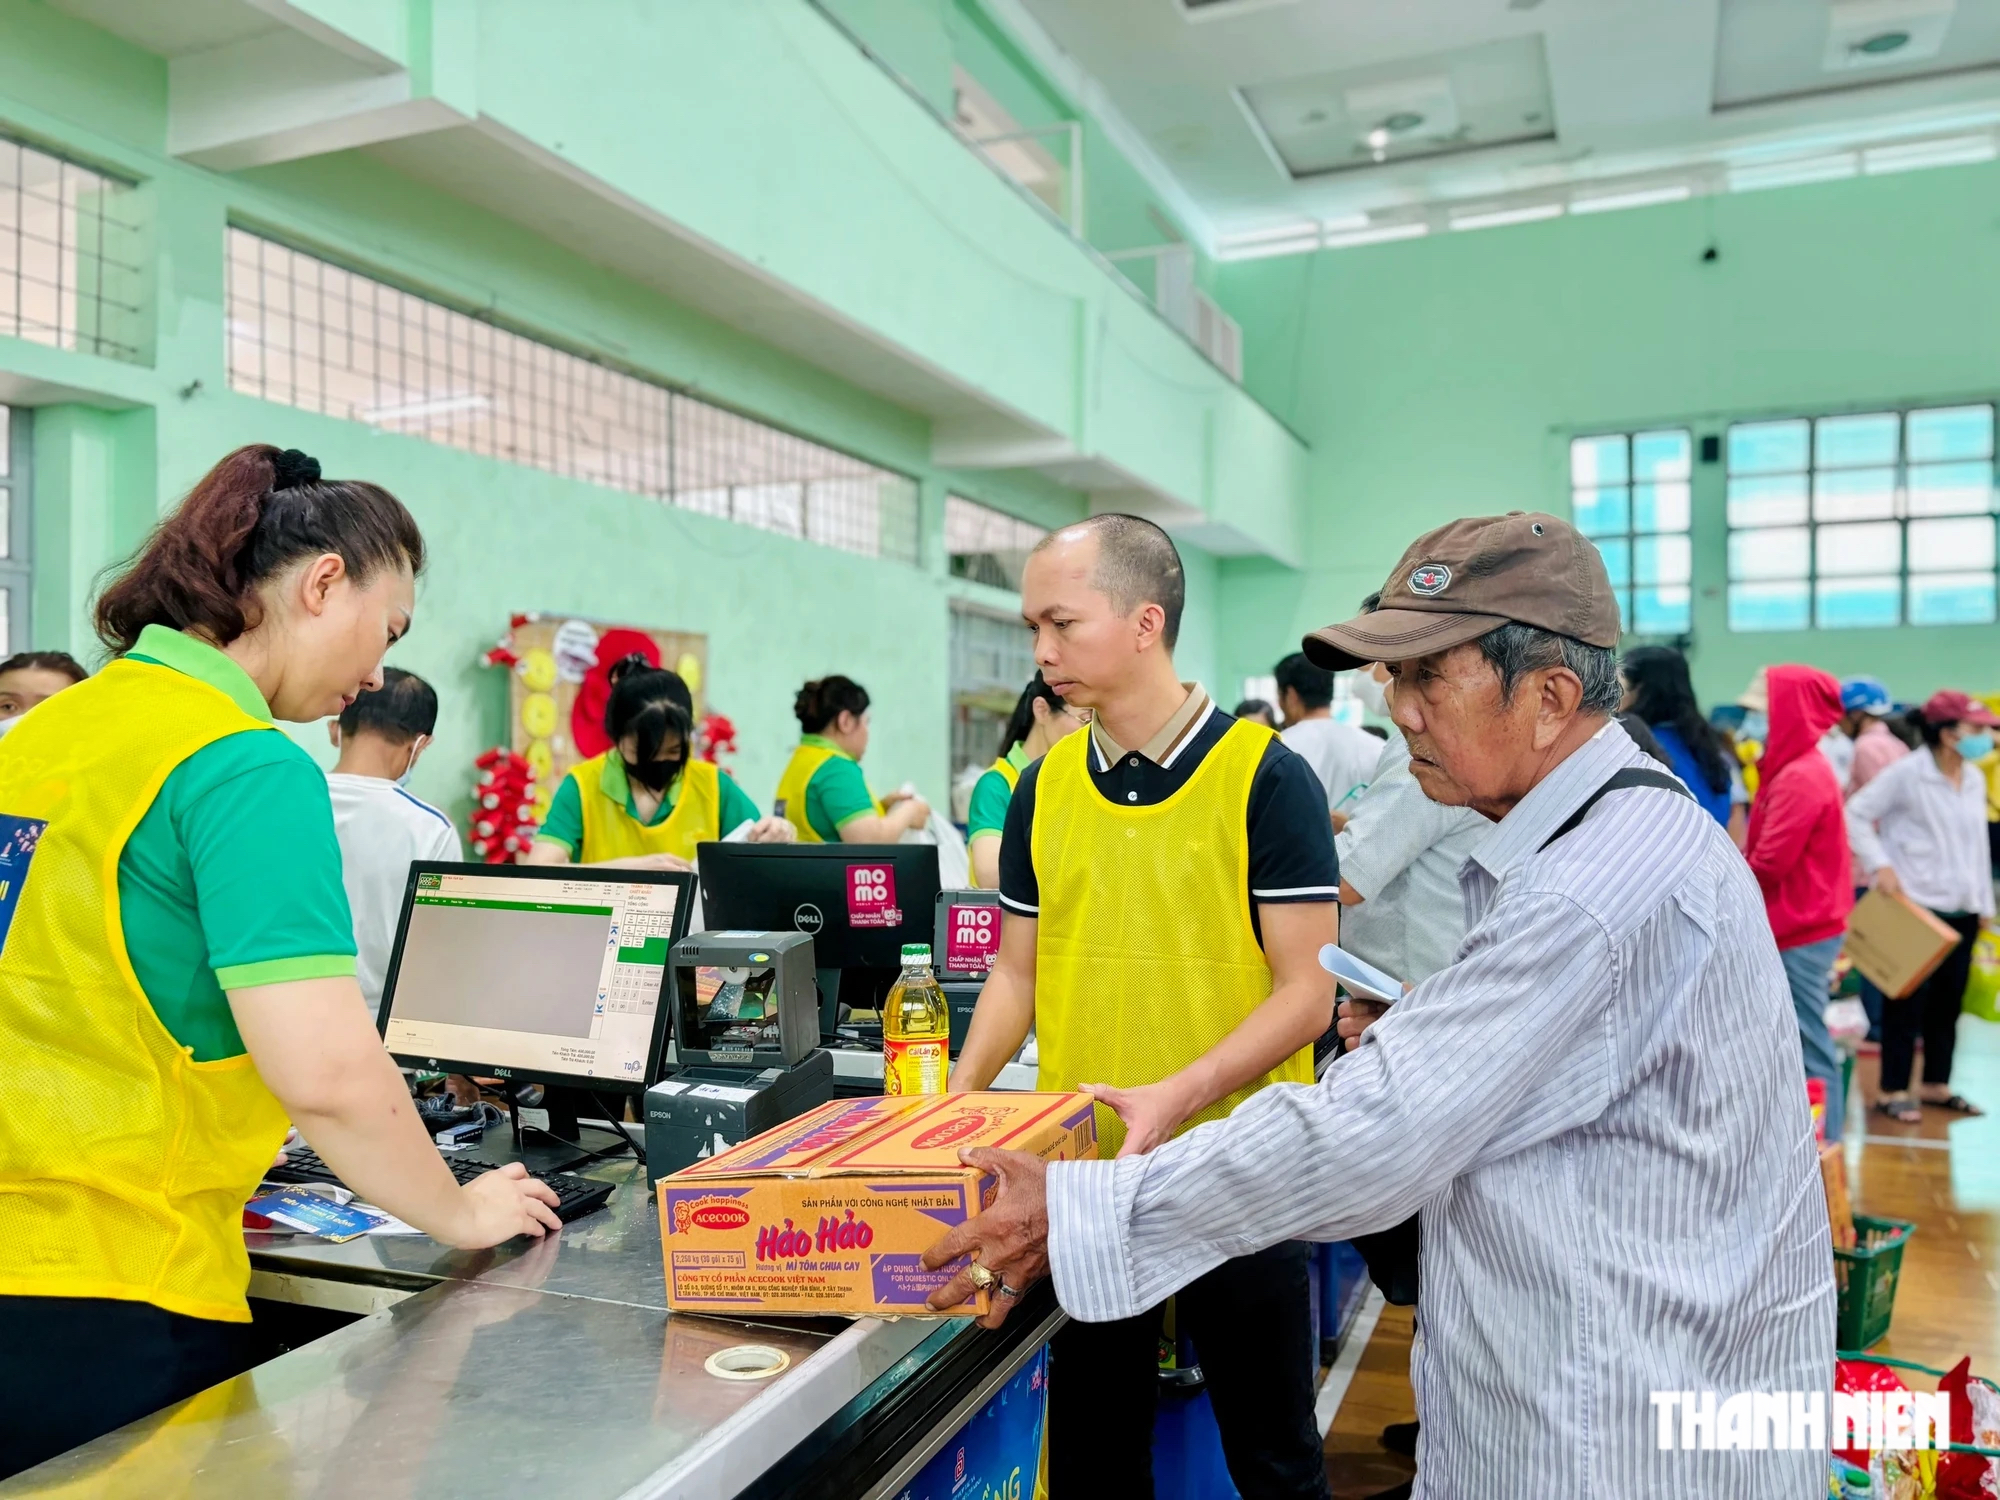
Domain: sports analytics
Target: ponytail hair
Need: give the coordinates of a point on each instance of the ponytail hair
(650, 703)
(1023, 720)
(820, 703)
(252, 516)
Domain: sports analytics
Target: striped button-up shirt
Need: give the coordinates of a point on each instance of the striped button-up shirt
(1600, 1110)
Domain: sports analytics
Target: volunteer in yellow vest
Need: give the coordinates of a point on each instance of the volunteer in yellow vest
(1040, 719)
(1165, 905)
(823, 793)
(176, 959)
(646, 802)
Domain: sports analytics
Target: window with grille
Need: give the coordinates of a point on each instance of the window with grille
(14, 531)
(1867, 519)
(991, 661)
(70, 272)
(987, 545)
(310, 334)
(1629, 493)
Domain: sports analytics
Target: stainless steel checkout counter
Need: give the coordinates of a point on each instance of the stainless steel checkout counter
(553, 1368)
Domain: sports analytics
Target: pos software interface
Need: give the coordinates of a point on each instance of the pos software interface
(534, 973)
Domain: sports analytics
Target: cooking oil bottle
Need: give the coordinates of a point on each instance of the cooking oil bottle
(916, 1028)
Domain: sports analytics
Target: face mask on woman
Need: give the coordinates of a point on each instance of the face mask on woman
(1371, 694)
(1975, 746)
(655, 775)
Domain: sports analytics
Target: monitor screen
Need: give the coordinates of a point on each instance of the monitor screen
(859, 902)
(525, 972)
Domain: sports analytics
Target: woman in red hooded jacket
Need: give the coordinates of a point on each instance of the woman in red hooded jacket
(1797, 848)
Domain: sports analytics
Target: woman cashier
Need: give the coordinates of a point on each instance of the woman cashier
(1040, 720)
(646, 802)
(823, 792)
(176, 958)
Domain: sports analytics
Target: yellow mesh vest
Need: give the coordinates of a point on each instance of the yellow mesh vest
(790, 801)
(1013, 779)
(1144, 953)
(610, 832)
(124, 1164)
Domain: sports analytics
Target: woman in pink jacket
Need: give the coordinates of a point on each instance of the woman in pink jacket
(1797, 848)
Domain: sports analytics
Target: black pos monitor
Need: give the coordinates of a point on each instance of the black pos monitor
(860, 903)
(536, 974)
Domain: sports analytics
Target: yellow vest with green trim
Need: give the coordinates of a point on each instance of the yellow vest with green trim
(124, 1163)
(790, 801)
(1013, 779)
(1145, 956)
(610, 832)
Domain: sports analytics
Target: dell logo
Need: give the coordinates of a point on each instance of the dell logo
(808, 918)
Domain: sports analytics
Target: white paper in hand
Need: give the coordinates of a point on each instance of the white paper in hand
(1358, 977)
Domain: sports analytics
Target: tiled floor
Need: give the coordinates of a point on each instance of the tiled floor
(1944, 1175)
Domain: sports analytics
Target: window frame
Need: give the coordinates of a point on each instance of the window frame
(17, 568)
(1900, 515)
(657, 439)
(1631, 535)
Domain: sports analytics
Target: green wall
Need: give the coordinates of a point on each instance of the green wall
(1443, 377)
(922, 40)
(124, 441)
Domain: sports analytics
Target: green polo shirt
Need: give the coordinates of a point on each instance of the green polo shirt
(838, 792)
(564, 824)
(232, 877)
(990, 796)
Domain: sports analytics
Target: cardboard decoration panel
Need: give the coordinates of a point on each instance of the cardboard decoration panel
(557, 689)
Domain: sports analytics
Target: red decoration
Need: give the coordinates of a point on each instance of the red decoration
(502, 655)
(717, 736)
(586, 718)
(503, 794)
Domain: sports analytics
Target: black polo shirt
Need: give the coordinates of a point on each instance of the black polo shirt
(1291, 839)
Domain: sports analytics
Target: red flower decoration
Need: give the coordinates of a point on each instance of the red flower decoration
(586, 718)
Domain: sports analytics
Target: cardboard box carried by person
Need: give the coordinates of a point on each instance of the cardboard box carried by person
(831, 1212)
(1896, 943)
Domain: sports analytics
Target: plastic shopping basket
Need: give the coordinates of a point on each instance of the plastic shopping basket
(1867, 1277)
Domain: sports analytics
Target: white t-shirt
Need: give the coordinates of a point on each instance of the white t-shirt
(1342, 757)
(1402, 853)
(381, 829)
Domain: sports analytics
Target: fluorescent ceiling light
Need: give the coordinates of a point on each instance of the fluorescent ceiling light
(1637, 198)
(1952, 151)
(1264, 249)
(1499, 216)
(1792, 173)
(1297, 229)
(1380, 234)
(439, 407)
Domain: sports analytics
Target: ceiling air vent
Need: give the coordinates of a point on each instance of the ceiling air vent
(1217, 10)
(1883, 33)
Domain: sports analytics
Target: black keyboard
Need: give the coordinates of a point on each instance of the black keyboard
(578, 1195)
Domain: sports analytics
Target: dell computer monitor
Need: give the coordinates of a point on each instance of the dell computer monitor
(859, 902)
(549, 974)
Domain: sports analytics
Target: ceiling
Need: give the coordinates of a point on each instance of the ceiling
(176, 30)
(1272, 112)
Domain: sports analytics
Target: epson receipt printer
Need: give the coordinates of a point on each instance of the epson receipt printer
(746, 1045)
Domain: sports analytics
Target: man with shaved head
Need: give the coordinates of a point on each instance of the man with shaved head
(1168, 880)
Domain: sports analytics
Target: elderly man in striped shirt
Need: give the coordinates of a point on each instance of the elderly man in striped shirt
(1596, 1106)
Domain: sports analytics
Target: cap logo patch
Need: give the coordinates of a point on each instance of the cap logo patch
(1429, 579)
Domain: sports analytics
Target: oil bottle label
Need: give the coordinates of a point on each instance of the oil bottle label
(913, 1067)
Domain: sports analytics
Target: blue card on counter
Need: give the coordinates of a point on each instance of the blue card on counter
(311, 1214)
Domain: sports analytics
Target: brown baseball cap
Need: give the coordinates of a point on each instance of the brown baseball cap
(1462, 580)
